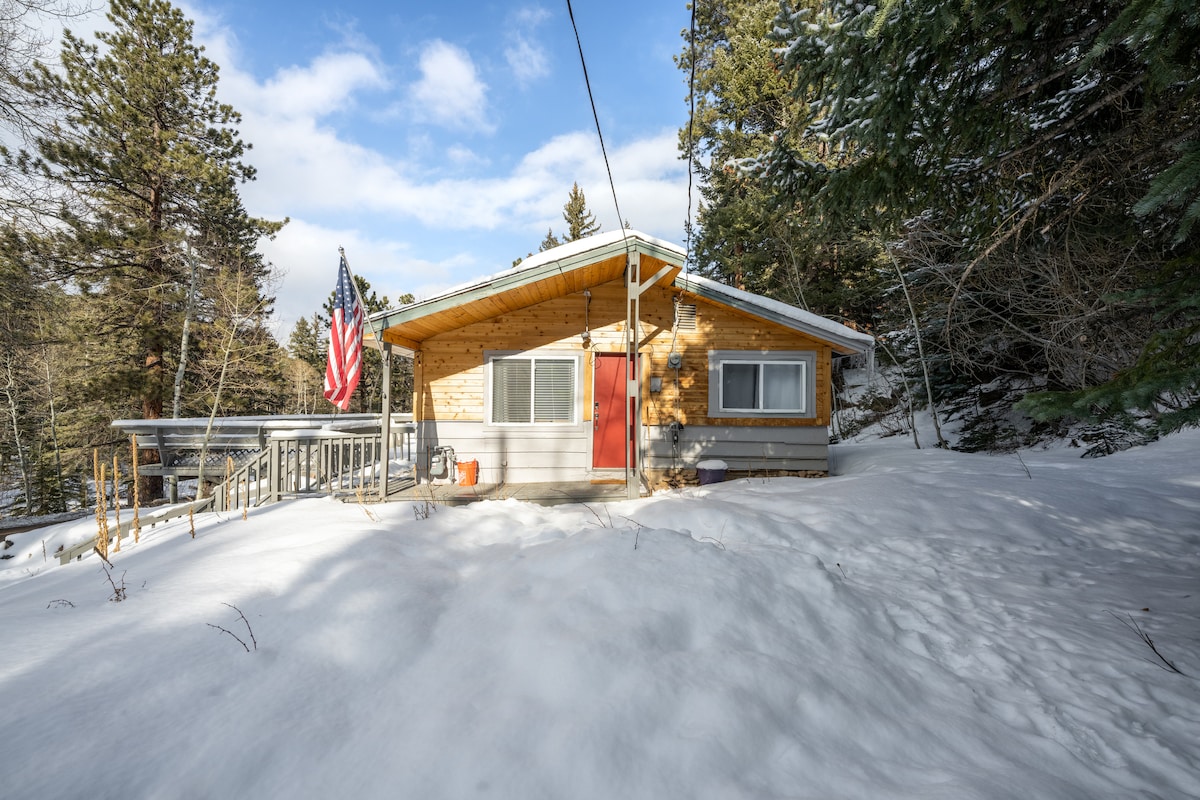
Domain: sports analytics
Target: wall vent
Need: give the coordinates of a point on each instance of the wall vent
(685, 317)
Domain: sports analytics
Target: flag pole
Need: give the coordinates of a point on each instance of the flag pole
(385, 413)
(366, 314)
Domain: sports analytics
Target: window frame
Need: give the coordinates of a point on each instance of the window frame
(717, 359)
(489, 385)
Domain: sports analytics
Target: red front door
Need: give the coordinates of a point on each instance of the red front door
(609, 433)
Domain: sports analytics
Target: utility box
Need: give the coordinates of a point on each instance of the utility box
(441, 464)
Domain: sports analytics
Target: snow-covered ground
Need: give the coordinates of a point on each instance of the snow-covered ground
(926, 625)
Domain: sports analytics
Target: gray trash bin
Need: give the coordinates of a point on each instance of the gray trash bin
(712, 471)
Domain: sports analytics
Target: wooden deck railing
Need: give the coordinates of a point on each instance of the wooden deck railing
(257, 460)
(314, 462)
(183, 445)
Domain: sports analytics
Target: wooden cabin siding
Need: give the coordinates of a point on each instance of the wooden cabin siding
(717, 328)
(450, 373)
(451, 365)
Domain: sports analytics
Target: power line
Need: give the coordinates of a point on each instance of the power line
(596, 117)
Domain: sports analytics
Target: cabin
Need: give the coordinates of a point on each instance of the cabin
(603, 360)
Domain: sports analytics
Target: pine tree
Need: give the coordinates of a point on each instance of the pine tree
(580, 221)
(304, 343)
(304, 366)
(550, 241)
(746, 233)
(145, 159)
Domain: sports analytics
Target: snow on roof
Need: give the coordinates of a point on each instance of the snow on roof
(611, 241)
(595, 242)
(578, 247)
(804, 319)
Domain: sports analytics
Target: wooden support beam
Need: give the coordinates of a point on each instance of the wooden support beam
(386, 420)
(401, 342)
(633, 375)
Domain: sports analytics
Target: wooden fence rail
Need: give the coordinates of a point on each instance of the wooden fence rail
(118, 532)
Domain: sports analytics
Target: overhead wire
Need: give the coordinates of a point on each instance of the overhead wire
(690, 169)
(595, 116)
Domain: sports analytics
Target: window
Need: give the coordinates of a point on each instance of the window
(533, 390)
(750, 384)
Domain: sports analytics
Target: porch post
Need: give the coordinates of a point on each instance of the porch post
(633, 377)
(386, 421)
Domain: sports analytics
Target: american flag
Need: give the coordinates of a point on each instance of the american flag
(345, 341)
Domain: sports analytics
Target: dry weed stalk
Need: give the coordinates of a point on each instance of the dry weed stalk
(234, 635)
(1140, 632)
(137, 525)
(117, 500)
(101, 505)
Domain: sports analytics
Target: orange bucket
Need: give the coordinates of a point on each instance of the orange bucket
(468, 473)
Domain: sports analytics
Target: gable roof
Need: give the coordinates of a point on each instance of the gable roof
(580, 265)
(556, 272)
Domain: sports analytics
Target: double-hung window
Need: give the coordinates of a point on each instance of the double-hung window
(528, 389)
(760, 384)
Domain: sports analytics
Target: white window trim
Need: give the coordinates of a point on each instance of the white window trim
(718, 357)
(531, 355)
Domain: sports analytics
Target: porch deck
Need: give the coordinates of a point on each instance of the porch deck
(544, 494)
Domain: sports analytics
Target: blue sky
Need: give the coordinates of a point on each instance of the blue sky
(436, 142)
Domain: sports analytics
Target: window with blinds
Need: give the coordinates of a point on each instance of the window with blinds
(533, 390)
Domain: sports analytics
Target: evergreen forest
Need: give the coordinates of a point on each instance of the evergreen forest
(1005, 194)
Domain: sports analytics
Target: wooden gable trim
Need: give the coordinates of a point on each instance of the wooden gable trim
(408, 327)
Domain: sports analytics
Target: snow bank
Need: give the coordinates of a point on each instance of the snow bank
(926, 625)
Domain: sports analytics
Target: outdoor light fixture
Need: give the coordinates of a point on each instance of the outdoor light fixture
(587, 332)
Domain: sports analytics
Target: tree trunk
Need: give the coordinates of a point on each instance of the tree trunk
(15, 417)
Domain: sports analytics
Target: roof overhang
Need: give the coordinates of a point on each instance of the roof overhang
(557, 272)
(583, 264)
(844, 340)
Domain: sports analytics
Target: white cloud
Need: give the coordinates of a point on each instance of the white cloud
(319, 88)
(527, 61)
(651, 186)
(395, 209)
(530, 16)
(449, 92)
(306, 259)
(464, 156)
